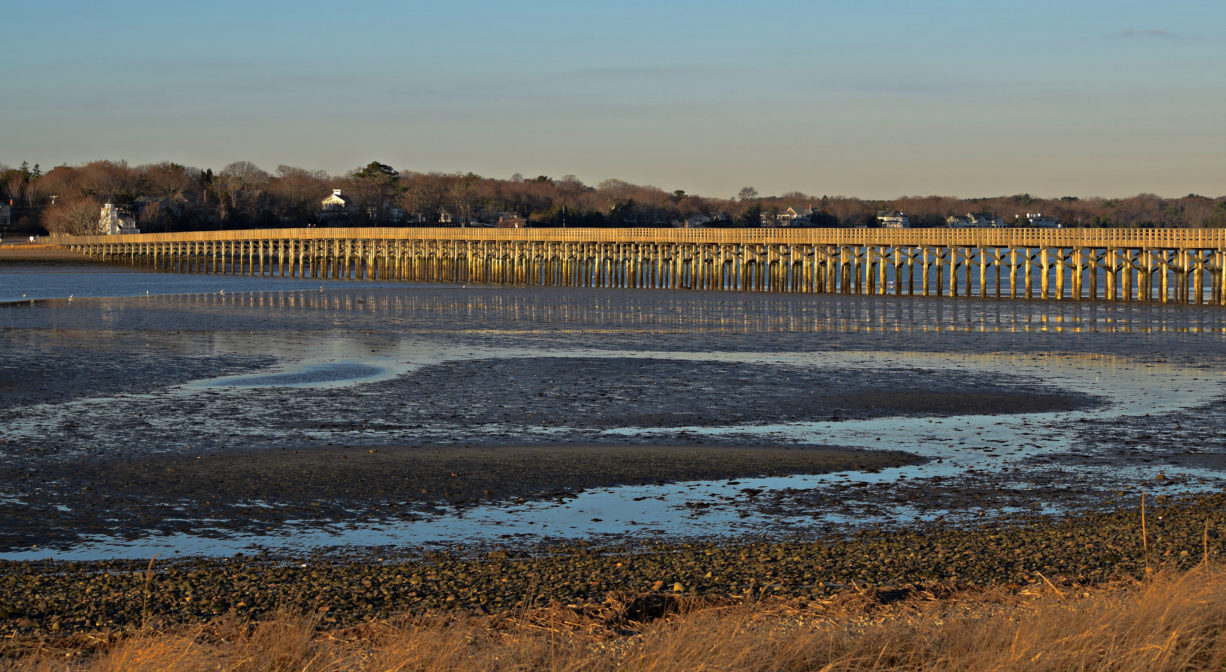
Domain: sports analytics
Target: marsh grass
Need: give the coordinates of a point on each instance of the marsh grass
(1168, 621)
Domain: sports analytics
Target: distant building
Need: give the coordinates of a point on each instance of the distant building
(793, 217)
(1038, 220)
(974, 220)
(111, 223)
(336, 201)
(511, 222)
(335, 207)
(985, 219)
(6, 215)
(695, 221)
(893, 219)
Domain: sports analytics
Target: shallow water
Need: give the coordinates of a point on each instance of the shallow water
(350, 339)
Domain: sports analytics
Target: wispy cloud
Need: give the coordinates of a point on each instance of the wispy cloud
(1149, 33)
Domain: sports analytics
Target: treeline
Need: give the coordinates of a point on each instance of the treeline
(172, 197)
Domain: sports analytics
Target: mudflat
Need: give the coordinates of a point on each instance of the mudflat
(943, 440)
(254, 491)
(103, 454)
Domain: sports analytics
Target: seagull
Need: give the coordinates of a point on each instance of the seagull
(70, 297)
(221, 291)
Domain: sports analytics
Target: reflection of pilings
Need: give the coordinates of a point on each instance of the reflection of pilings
(716, 313)
(1160, 266)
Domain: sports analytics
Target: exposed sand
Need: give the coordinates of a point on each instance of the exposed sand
(36, 253)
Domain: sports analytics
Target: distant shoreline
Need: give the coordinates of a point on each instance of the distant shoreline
(27, 253)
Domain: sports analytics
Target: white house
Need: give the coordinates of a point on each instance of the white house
(985, 219)
(334, 208)
(1040, 221)
(695, 221)
(893, 219)
(791, 216)
(974, 220)
(336, 201)
(110, 223)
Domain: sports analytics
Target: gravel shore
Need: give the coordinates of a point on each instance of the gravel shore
(355, 586)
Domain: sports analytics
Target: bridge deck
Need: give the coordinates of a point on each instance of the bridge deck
(1087, 238)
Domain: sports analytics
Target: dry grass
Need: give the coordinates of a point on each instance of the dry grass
(1167, 622)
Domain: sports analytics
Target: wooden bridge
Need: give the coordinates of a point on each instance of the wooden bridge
(1160, 265)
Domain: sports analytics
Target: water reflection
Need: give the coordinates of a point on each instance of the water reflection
(306, 376)
(577, 311)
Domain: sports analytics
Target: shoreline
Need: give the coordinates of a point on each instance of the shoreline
(27, 253)
(49, 598)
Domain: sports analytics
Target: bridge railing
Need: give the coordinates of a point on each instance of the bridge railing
(1101, 238)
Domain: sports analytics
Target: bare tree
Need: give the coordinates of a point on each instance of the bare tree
(245, 172)
(167, 180)
(14, 186)
(296, 193)
(240, 188)
(464, 196)
(78, 216)
(423, 197)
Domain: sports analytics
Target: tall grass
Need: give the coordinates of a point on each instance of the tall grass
(1169, 621)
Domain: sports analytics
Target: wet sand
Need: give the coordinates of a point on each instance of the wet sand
(253, 491)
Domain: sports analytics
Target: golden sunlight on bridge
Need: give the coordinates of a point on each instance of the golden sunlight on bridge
(1161, 265)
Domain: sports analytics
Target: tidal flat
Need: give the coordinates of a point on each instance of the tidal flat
(239, 427)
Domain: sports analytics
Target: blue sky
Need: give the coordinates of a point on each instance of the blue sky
(875, 98)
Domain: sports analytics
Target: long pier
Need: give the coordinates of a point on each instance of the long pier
(1149, 265)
